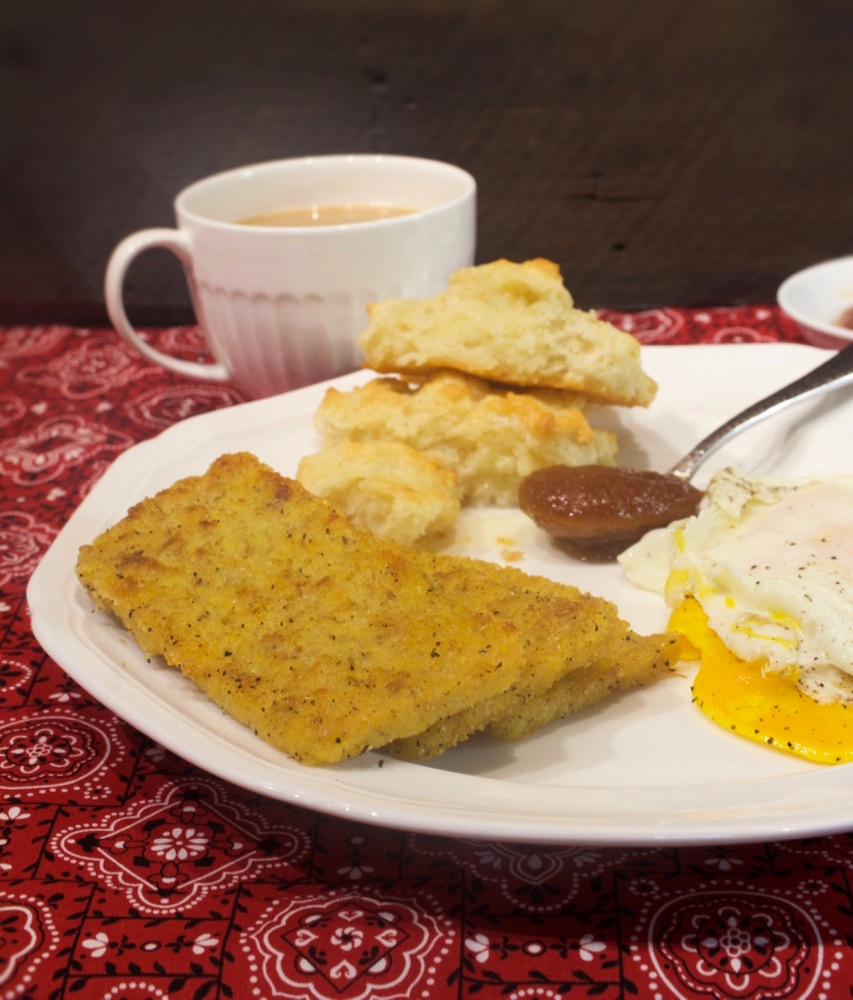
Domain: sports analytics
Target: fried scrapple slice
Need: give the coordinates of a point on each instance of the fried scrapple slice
(578, 652)
(323, 639)
(627, 661)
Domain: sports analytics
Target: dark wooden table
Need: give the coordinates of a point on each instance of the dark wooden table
(663, 153)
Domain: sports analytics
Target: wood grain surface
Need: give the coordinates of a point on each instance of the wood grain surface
(662, 152)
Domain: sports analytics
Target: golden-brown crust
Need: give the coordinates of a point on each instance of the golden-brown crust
(323, 639)
(328, 641)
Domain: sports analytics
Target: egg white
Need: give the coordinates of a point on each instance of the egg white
(771, 563)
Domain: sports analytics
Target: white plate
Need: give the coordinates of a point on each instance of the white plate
(816, 297)
(645, 769)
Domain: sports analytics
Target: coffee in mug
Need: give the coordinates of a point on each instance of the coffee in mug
(282, 304)
(325, 215)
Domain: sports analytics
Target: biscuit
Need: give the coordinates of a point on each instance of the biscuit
(491, 436)
(393, 490)
(513, 323)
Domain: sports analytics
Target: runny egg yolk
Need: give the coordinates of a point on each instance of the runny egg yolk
(766, 707)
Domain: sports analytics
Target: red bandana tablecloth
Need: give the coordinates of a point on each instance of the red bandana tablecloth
(128, 874)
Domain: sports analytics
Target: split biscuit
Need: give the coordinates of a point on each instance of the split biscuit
(490, 435)
(513, 323)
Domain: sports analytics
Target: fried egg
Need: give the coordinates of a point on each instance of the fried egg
(760, 581)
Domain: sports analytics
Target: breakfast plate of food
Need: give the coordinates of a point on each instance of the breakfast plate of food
(627, 759)
(647, 768)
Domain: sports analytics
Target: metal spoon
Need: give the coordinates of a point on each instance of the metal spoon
(835, 372)
(596, 512)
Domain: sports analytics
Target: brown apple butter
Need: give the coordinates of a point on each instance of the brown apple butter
(596, 512)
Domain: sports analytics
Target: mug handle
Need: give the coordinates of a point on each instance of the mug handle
(120, 260)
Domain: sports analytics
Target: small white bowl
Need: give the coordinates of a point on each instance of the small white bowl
(816, 298)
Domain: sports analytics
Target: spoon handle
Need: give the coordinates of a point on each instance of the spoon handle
(838, 371)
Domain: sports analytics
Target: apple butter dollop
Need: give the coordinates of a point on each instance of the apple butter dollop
(596, 511)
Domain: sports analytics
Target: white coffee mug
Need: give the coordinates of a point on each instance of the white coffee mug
(282, 305)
